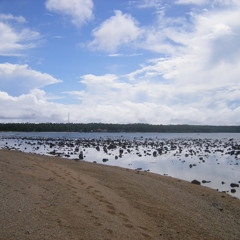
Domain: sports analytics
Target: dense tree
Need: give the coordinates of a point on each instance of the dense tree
(104, 127)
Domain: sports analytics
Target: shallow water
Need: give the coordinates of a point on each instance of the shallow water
(213, 157)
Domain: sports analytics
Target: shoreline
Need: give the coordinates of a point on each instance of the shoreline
(50, 197)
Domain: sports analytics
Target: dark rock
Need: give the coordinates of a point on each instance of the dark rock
(81, 155)
(53, 152)
(234, 185)
(233, 190)
(155, 153)
(195, 182)
(105, 160)
(111, 146)
(97, 148)
(159, 151)
(120, 151)
(105, 149)
(205, 181)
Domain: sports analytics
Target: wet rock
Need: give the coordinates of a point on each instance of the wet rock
(81, 155)
(195, 182)
(98, 148)
(120, 151)
(105, 149)
(53, 152)
(205, 181)
(159, 151)
(111, 146)
(192, 165)
(155, 153)
(51, 145)
(234, 185)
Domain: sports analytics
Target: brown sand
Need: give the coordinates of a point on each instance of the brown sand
(52, 198)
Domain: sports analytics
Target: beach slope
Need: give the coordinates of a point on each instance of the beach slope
(53, 198)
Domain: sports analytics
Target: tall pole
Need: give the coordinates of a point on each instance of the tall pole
(68, 121)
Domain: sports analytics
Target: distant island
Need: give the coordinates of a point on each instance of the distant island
(109, 127)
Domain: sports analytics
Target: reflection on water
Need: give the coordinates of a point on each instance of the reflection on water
(212, 159)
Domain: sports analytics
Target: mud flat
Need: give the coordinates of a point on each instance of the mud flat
(46, 197)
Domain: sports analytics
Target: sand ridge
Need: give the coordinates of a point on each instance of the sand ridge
(48, 197)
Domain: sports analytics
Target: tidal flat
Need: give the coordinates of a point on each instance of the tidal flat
(212, 160)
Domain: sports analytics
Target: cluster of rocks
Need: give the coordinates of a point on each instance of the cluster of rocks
(196, 149)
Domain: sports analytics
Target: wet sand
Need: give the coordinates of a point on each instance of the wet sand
(53, 198)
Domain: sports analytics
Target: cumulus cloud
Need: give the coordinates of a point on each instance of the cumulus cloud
(196, 83)
(31, 107)
(14, 40)
(120, 29)
(23, 78)
(79, 11)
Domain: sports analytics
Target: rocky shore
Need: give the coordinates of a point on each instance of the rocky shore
(208, 161)
(46, 197)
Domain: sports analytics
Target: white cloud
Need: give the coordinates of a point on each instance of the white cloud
(120, 29)
(198, 83)
(211, 2)
(149, 3)
(10, 17)
(124, 55)
(79, 11)
(31, 107)
(23, 78)
(14, 41)
(197, 2)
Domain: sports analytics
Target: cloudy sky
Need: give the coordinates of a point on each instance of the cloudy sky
(128, 61)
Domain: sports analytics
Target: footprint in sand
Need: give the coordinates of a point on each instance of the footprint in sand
(110, 231)
(129, 225)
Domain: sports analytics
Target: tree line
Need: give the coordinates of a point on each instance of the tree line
(109, 127)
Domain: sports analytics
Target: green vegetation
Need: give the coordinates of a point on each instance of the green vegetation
(104, 127)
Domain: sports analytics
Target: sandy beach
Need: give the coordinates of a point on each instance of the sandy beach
(53, 198)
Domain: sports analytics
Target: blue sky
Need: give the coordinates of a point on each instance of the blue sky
(128, 61)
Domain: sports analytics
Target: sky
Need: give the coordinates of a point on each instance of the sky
(120, 61)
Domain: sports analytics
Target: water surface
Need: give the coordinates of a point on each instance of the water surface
(210, 158)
